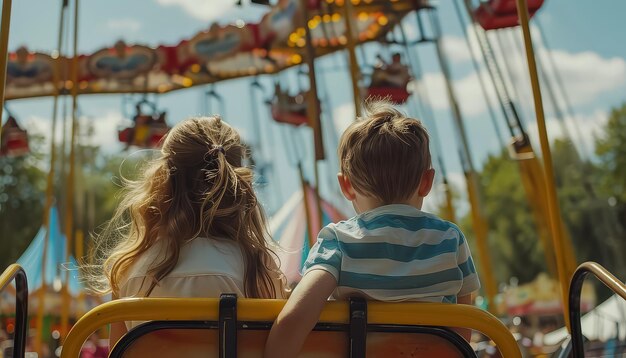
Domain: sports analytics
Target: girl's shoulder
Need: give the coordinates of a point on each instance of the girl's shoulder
(199, 257)
(210, 256)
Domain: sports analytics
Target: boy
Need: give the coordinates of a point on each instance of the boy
(390, 251)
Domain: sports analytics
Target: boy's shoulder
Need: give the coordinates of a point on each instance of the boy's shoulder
(395, 217)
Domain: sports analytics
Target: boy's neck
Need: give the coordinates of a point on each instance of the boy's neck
(367, 203)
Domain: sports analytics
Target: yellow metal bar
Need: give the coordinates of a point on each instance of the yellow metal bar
(533, 180)
(314, 112)
(7, 276)
(606, 277)
(80, 253)
(307, 208)
(481, 230)
(409, 313)
(318, 199)
(49, 185)
(5, 25)
(355, 73)
(69, 215)
(449, 208)
(551, 197)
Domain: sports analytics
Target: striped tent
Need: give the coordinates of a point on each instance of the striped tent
(55, 277)
(289, 231)
(55, 263)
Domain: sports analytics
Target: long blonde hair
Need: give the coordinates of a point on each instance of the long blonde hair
(197, 187)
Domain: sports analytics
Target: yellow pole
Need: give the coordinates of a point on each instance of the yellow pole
(531, 174)
(307, 209)
(449, 208)
(80, 252)
(69, 206)
(49, 187)
(4, 45)
(481, 230)
(355, 74)
(553, 203)
(314, 112)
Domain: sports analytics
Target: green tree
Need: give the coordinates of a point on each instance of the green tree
(611, 151)
(610, 183)
(22, 184)
(583, 212)
(584, 189)
(513, 242)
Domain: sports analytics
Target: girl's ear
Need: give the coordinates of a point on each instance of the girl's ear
(346, 187)
(426, 183)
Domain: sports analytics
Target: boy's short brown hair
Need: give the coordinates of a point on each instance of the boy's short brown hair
(384, 154)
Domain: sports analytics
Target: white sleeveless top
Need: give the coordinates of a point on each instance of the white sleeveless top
(206, 268)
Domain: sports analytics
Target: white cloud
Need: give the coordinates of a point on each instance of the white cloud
(587, 126)
(437, 197)
(586, 77)
(410, 28)
(467, 90)
(205, 10)
(123, 25)
(105, 129)
(43, 126)
(343, 116)
(456, 49)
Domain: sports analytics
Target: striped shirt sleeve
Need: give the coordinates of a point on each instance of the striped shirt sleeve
(471, 283)
(325, 254)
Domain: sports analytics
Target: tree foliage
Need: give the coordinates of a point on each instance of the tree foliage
(22, 194)
(22, 184)
(592, 197)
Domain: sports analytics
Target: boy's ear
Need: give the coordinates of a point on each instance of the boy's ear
(426, 184)
(346, 187)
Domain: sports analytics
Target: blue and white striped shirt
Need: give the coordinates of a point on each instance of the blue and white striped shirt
(396, 253)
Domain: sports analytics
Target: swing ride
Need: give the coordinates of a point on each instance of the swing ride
(13, 139)
(291, 34)
(148, 128)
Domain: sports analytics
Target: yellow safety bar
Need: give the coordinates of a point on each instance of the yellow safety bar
(7, 276)
(15, 272)
(576, 285)
(406, 313)
(604, 276)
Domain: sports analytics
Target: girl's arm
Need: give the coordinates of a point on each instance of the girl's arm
(300, 314)
(464, 332)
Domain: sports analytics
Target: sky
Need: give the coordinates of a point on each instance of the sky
(584, 40)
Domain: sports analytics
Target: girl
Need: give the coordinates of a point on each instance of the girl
(191, 226)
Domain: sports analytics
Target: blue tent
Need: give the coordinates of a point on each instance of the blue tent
(55, 263)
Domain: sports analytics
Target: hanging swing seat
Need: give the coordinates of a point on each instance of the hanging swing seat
(290, 109)
(507, 7)
(390, 82)
(296, 118)
(147, 132)
(14, 139)
(500, 14)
